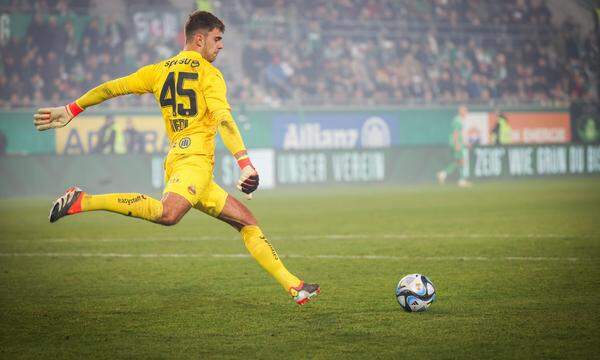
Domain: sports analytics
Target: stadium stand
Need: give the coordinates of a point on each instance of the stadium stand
(281, 52)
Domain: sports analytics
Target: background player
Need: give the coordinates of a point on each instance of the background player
(192, 95)
(458, 146)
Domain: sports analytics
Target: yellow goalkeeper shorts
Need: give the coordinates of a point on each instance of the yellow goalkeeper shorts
(191, 176)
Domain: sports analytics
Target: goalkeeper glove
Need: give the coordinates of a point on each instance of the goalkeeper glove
(248, 181)
(55, 117)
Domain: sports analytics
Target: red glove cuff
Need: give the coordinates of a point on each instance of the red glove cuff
(244, 161)
(74, 109)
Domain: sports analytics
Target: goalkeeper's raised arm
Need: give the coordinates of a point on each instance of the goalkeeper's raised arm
(139, 82)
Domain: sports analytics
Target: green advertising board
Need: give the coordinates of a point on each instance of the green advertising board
(21, 136)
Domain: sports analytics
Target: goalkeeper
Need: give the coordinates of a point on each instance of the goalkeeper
(191, 93)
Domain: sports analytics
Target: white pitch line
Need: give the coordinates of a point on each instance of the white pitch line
(325, 237)
(341, 257)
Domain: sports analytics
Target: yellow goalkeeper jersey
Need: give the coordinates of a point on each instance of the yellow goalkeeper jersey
(191, 93)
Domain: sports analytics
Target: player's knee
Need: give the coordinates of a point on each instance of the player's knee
(248, 220)
(246, 217)
(168, 221)
(243, 221)
(169, 218)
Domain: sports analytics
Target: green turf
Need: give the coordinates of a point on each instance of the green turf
(516, 266)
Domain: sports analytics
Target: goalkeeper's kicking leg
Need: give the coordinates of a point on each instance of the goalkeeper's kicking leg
(239, 216)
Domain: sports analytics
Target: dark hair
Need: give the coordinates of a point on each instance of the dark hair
(201, 20)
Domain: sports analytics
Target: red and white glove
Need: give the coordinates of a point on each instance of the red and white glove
(55, 117)
(248, 181)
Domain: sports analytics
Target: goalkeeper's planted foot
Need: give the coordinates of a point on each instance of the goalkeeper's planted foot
(69, 203)
(304, 293)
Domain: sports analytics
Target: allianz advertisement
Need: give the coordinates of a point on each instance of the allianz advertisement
(333, 132)
(323, 148)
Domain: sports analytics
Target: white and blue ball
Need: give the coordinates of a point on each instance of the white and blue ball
(415, 293)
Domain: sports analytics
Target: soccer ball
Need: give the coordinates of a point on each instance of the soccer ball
(415, 292)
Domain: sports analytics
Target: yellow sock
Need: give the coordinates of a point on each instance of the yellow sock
(264, 253)
(130, 204)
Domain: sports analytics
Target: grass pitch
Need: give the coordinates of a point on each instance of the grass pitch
(516, 267)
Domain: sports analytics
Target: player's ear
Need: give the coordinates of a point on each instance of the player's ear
(199, 39)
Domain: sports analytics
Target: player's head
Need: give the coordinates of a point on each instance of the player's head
(204, 33)
(463, 111)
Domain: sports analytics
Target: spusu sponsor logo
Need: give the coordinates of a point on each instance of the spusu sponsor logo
(372, 132)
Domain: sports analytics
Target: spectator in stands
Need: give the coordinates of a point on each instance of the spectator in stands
(37, 30)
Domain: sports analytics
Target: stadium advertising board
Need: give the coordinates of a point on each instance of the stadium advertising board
(279, 168)
(338, 167)
(126, 134)
(424, 126)
(476, 128)
(535, 160)
(112, 135)
(227, 170)
(537, 127)
(27, 175)
(525, 127)
(48, 175)
(281, 130)
(21, 137)
(320, 131)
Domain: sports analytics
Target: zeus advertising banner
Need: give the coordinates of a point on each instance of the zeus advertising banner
(534, 160)
(333, 131)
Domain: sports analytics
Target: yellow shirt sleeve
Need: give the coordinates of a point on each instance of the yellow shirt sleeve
(140, 82)
(230, 133)
(215, 94)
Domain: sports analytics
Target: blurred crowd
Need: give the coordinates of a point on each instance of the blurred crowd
(322, 52)
(429, 51)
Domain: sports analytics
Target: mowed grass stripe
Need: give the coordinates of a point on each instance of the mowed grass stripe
(324, 256)
(320, 237)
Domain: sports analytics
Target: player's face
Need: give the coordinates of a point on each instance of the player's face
(213, 43)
